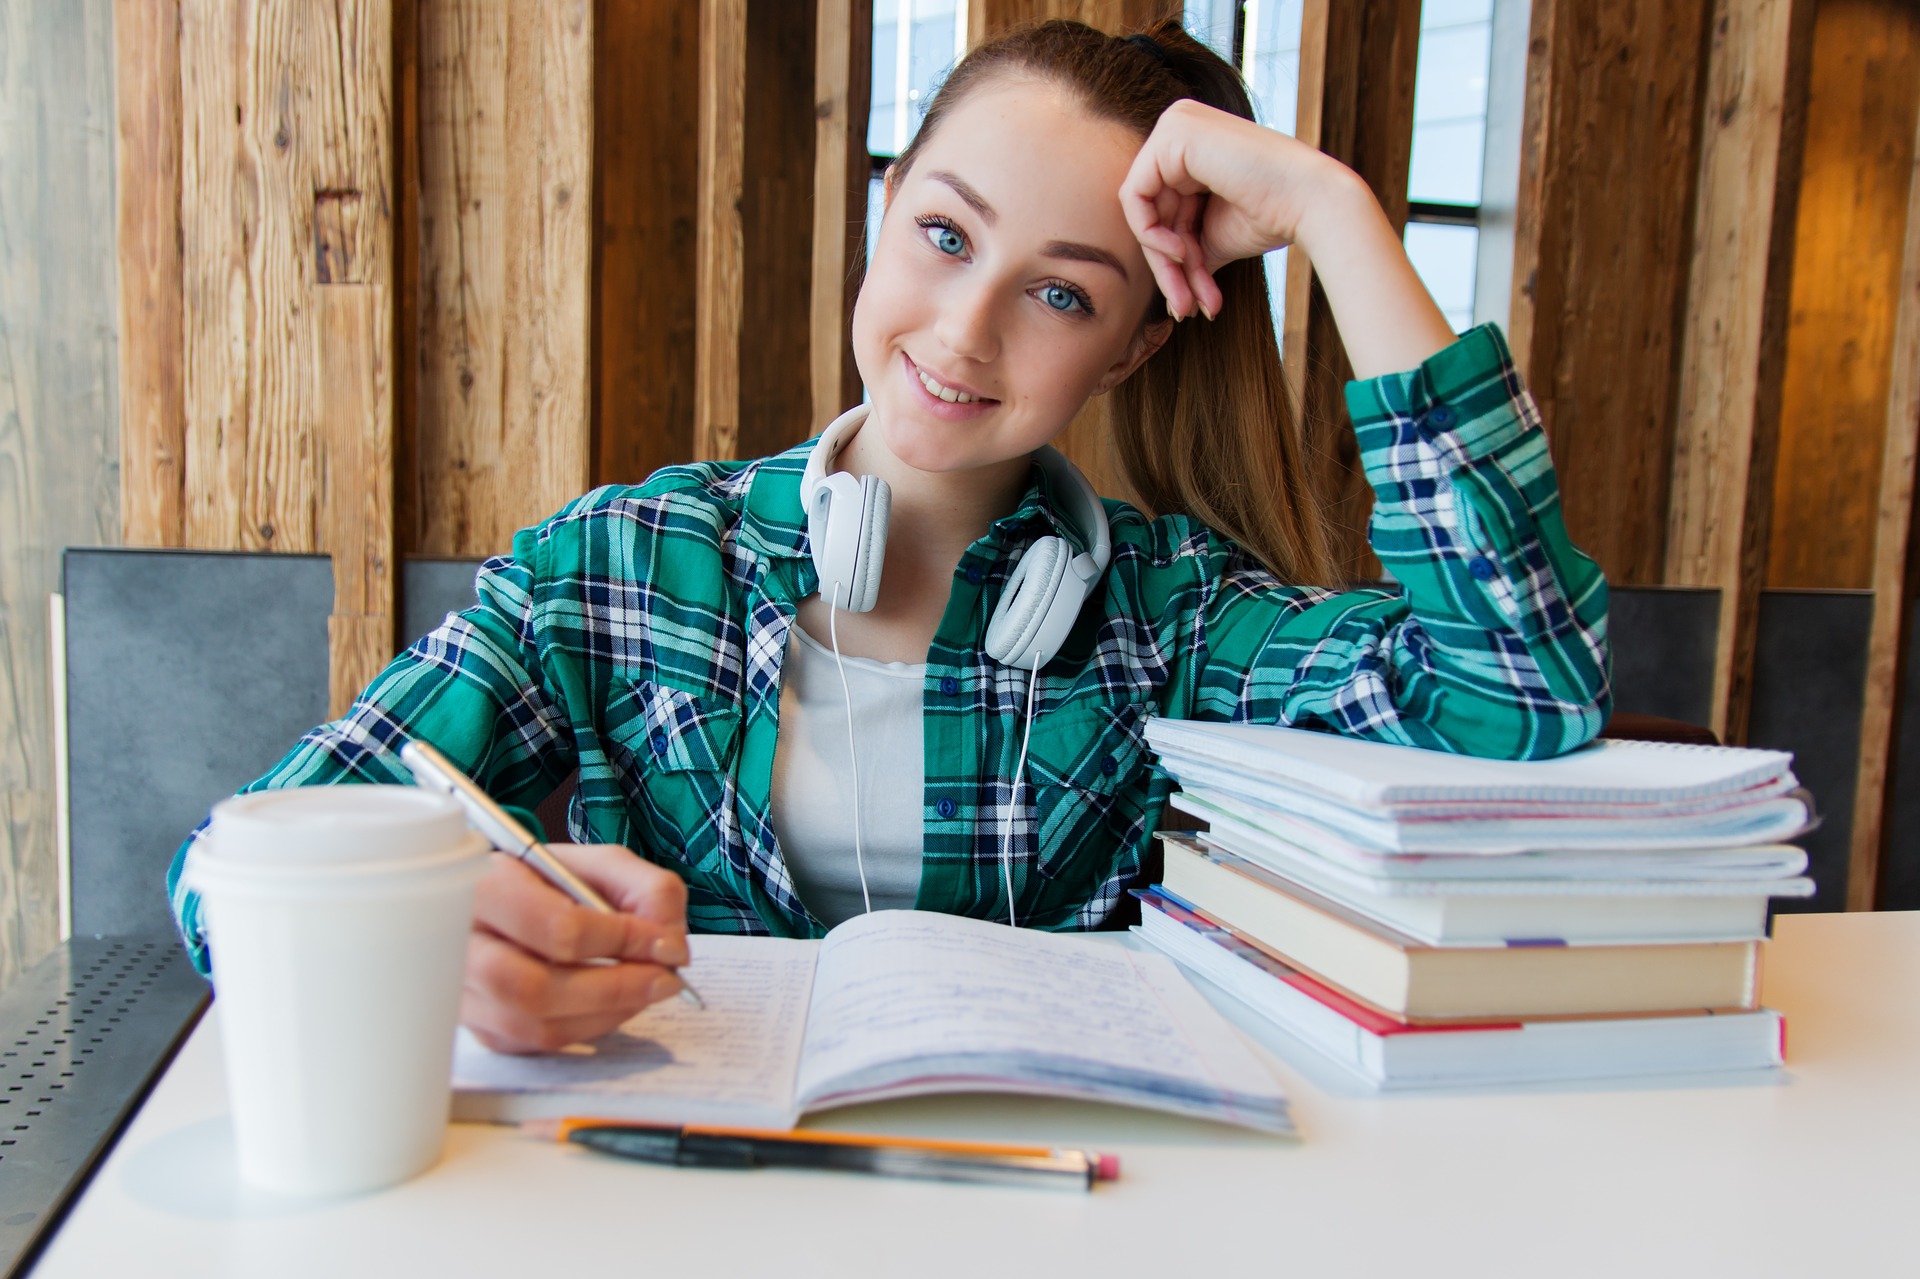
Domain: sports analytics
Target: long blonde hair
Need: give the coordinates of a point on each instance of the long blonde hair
(1204, 427)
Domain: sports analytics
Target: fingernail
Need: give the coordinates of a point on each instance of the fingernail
(1204, 311)
(670, 950)
(665, 988)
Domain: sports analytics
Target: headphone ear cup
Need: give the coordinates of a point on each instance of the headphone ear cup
(1026, 604)
(847, 526)
(876, 509)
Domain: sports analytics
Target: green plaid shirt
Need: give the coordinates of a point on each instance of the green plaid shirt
(637, 638)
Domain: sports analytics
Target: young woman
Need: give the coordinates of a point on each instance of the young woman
(1079, 215)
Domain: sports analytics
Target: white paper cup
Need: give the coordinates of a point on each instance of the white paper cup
(337, 919)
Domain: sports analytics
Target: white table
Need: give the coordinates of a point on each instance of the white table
(1819, 1175)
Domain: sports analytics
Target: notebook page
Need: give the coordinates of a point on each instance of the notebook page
(1377, 774)
(733, 1061)
(896, 986)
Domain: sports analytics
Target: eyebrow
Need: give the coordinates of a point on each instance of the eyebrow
(1071, 250)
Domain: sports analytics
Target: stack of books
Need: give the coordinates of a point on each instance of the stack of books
(1430, 920)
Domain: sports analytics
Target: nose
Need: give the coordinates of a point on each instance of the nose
(968, 325)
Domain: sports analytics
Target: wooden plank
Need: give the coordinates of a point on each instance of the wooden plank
(287, 196)
(648, 69)
(1893, 566)
(1600, 268)
(1734, 336)
(549, 152)
(500, 433)
(843, 80)
(152, 408)
(1357, 62)
(720, 254)
(59, 445)
(1847, 243)
(774, 383)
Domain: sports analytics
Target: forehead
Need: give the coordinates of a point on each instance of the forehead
(1032, 147)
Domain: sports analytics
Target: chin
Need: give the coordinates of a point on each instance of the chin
(933, 447)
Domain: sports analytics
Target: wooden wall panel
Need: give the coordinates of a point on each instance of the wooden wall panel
(776, 349)
(1734, 339)
(286, 186)
(1357, 62)
(843, 83)
(755, 229)
(720, 257)
(1893, 562)
(1865, 84)
(646, 116)
(1601, 227)
(500, 429)
(153, 436)
(59, 447)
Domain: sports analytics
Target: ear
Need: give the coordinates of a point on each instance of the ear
(1146, 342)
(889, 183)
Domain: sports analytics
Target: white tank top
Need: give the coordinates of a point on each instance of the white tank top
(812, 801)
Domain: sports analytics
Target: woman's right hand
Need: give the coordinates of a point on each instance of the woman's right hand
(544, 972)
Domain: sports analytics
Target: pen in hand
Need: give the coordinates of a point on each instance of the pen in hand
(436, 773)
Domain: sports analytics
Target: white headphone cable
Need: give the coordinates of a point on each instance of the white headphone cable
(846, 690)
(1019, 772)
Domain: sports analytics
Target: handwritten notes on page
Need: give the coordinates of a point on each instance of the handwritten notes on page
(909, 1002)
(733, 1063)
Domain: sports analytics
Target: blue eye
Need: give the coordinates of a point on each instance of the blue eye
(947, 240)
(1061, 298)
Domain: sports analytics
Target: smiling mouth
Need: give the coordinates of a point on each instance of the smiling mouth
(940, 391)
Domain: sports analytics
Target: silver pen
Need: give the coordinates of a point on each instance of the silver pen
(436, 773)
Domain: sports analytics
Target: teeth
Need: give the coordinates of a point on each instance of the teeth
(946, 393)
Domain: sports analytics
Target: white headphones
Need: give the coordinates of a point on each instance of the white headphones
(847, 525)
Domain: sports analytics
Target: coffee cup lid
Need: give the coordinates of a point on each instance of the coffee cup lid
(317, 826)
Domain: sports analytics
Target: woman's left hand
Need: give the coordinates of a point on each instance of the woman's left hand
(1210, 188)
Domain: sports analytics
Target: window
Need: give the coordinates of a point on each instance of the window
(1449, 151)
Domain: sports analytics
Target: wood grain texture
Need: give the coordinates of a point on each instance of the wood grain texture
(501, 418)
(720, 236)
(287, 196)
(1734, 339)
(647, 107)
(59, 437)
(1893, 563)
(843, 84)
(774, 383)
(153, 435)
(1601, 224)
(1357, 63)
(1865, 83)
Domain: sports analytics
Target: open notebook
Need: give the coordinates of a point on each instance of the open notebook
(894, 1004)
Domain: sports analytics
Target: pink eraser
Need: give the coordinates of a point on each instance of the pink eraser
(1106, 1167)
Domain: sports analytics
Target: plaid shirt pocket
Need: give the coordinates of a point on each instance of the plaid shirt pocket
(673, 752)
(1084, 769)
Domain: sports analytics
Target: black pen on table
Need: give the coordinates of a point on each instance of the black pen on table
(703, 1146)
(435, 772)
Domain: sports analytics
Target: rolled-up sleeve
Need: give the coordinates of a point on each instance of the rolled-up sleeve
(1491, 639)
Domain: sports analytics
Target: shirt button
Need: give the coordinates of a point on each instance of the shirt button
(1109, 765)
(1481, 567)
(659, 741)
(949, 685)
(946, 808)
(1440, 415)
(974, 575)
